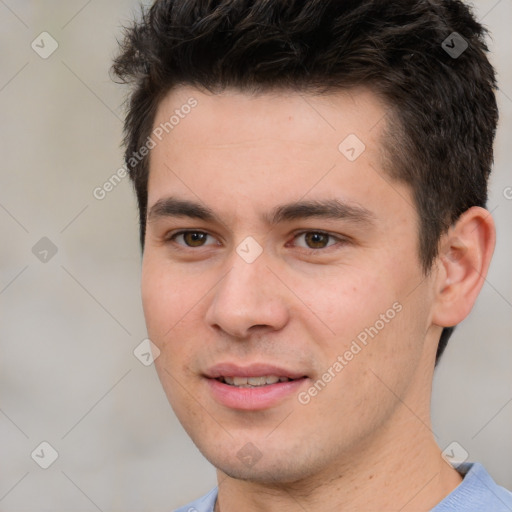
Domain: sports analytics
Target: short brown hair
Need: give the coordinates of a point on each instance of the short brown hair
(426, 58)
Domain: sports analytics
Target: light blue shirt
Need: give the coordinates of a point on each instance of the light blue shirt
(476, 493)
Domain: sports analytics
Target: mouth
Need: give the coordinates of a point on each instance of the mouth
(253, 387)
(253, 382)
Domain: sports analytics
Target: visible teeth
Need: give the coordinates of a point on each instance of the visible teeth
(250, 382)
(239, 381)
(271, 379)
(258, 381)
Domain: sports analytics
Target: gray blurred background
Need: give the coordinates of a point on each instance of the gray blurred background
(70, 306)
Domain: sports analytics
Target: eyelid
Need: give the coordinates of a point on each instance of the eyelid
(339, 239)
(172, 235)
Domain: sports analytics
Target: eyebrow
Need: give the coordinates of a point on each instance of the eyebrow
(173, 207)
(327, 209)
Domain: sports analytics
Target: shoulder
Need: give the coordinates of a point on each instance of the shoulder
(477, 492)
(204, 504)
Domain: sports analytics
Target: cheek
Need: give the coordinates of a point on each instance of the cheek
(369, 315)
(384, 344)
(174, 303)
(345, 302)
(166, 298)
(169, 306)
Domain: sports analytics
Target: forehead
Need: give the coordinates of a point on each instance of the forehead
(232, 116)
(251, 150)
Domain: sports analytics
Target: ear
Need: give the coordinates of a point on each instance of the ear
(464, 256)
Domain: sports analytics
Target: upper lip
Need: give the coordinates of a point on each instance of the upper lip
(253, 370)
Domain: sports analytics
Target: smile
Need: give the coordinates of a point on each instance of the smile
(252, 382)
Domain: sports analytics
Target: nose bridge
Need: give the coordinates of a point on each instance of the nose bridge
(248, 280)
(247, 297)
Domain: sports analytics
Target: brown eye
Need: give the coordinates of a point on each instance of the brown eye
(191, 238)
(316, 240)
(194, 238)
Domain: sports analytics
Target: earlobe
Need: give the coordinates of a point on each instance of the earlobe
(464, 257)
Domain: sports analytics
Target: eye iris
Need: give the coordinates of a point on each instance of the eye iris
(194, 238)
(316, 240)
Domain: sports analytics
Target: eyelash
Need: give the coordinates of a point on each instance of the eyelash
(323, 233)
(172, 237)
(337, 239)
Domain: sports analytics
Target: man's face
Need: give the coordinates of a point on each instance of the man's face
(272, 251)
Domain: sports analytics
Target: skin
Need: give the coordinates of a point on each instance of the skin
(299, 307)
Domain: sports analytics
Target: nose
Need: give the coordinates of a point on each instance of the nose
(247, 300)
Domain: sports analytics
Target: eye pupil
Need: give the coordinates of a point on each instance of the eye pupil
(316, 240)
(194, 238)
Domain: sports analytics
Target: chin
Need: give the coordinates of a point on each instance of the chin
(264, 475)
(270, 469)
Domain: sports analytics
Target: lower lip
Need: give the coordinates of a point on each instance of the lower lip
(253, 399)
